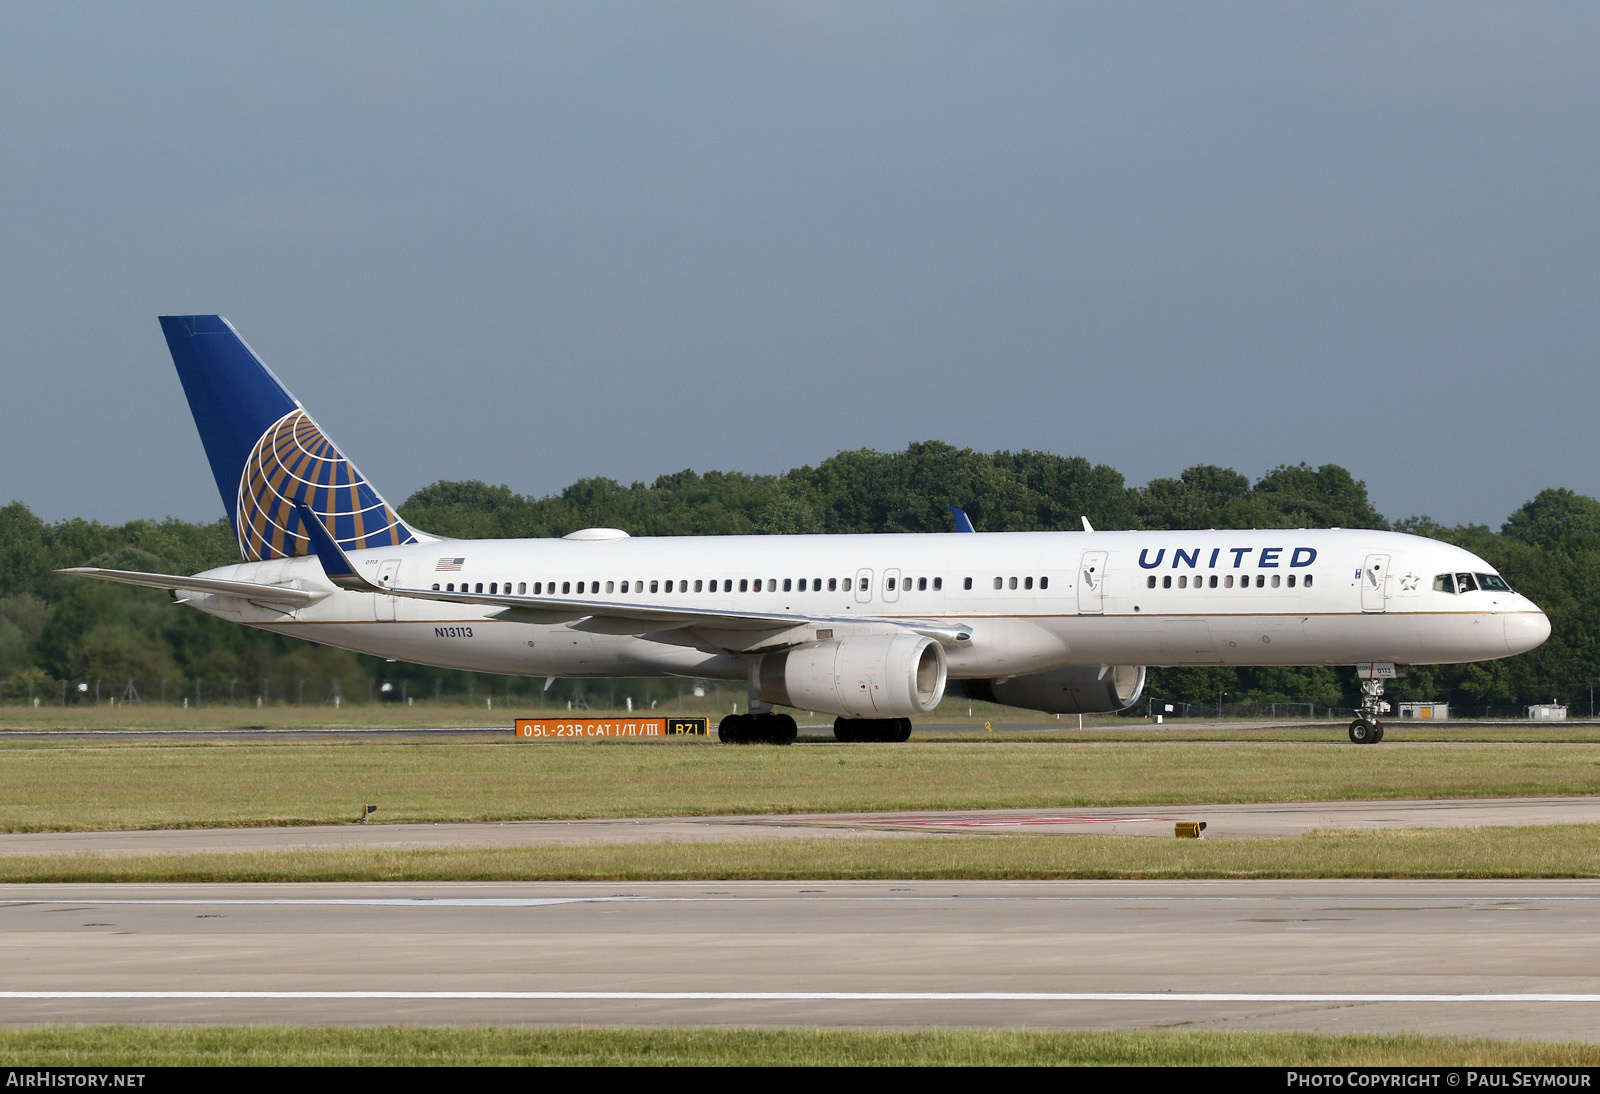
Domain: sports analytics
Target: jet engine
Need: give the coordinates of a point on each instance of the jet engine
(870, 676)
(1064, 691)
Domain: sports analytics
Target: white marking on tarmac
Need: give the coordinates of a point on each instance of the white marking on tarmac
(1005, 822)
(845, 996)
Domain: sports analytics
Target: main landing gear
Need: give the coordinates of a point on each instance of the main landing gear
(768, 727)
(872, 729)
(1366, 729)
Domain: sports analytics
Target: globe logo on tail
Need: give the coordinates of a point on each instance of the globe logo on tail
(294, 463)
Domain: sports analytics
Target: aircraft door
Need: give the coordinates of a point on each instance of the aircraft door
(1374, 576)
(1091, 583)
(388, 575)
(863, 586)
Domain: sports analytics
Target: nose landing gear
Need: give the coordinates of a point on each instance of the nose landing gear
(1363, 732)
(1366, 729)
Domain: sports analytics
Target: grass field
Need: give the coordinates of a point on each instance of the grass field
(1567, 851)
(132, 1047)
(98, 783)
(74, 785)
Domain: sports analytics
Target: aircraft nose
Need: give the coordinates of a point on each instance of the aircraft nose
(1525, 630)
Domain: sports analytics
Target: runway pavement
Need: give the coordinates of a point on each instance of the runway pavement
(1492, 958)
(1253, 821)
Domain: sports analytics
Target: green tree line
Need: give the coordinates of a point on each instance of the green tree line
(57, 633)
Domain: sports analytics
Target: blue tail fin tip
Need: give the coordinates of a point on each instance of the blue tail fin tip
(266, 453)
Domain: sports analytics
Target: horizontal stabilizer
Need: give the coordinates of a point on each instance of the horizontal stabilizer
(245, 590)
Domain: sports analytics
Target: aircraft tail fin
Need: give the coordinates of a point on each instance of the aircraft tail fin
(268, 456)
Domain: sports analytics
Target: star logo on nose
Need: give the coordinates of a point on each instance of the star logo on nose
(1409, 583)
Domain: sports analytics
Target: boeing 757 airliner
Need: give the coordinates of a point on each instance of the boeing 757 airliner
(870, 628)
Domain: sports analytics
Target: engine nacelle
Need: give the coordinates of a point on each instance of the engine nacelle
(1064, 691)
(871, 676)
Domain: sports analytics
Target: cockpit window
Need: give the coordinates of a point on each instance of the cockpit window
(1465, 584)
(1444, 583)
(1493, 583)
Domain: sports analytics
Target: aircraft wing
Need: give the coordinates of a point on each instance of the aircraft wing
(718, 628)
(246, 590)
(703, 628)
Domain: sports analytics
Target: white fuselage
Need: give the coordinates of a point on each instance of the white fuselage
(1032, 601)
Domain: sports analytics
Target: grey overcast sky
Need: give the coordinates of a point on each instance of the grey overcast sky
(528, 242)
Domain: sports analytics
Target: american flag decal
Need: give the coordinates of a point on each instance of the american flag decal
(449, 564)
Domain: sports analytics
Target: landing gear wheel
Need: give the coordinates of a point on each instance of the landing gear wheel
(1363, 732)
(743, 729)
(782, 729)
(872, 729)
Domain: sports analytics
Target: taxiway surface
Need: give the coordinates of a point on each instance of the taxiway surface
(1493, 958)
(1239, 821)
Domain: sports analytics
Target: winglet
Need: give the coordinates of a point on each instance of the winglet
(1087, 527)
(335, 563)
(963, 522)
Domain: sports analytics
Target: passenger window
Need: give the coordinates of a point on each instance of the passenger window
(1183, 581)
(846, 584)
(566, 587)
(1150, 582)
(435, 586)
(744, 584)
(1261, 581)
(1012, 583)
(786, 583)
(669, 584)
(1291, 581)
(1308, 581)
(888, 583)
(938, 583)
(1166, 582)
(758, 584)
(833, 584)
(772, 584)
(655, 586)
(699, 584)
(522, 588)
(864, 585)
(538, 588)
(1274, 581)
(494, 588)
(968, 583)
(1227, 582)
(1213, 582)
(480, 586)
(450, 588)
(997, 583)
